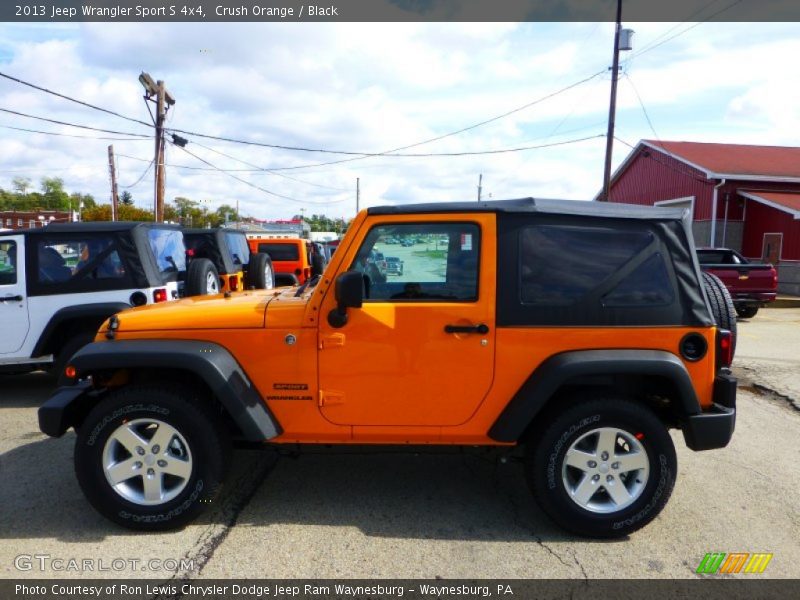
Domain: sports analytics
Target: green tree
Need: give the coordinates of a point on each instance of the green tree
(126, 198)
(21, 185)
(53, 194)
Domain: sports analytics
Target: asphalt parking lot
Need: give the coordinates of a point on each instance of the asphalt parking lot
(420, 515)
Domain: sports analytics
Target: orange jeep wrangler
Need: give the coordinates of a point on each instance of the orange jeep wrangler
(293, 259)
(579, 332)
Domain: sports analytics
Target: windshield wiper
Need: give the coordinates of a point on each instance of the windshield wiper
(309, 283)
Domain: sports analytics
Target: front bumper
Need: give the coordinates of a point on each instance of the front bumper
(714, 428)
(63, 409)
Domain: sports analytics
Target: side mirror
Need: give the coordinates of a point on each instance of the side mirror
(349, 294)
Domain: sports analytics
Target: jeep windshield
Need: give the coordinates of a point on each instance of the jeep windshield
(168, 250)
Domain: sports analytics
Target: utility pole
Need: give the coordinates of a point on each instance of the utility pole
(480, 181)
(114, 195)
(612, 109)
(358, 193)
(156, 91)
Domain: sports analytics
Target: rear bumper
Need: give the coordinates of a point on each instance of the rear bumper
(753, 298)
(60, 412)
(714, 428)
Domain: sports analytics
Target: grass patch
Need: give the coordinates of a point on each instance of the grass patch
(431, 253)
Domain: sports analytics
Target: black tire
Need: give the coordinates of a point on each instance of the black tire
(548, 477)
(317, 264)
(67, 351)
(208, 450)
(746, 312)
(198, 277)
(721, 305)
(260, 274)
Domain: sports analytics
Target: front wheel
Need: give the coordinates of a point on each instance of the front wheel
(150, 457)
(604, 468)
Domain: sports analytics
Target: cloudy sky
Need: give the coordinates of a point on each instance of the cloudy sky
(375, 87)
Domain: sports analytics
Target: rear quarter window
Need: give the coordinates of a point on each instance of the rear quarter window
(280, 251)
(561, 265)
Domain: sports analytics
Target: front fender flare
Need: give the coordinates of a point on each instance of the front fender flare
(210, 362)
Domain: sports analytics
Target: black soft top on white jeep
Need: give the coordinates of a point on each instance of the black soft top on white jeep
(59, 283)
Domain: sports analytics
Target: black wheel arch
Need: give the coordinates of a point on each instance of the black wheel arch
(72, 320)
(205, 366)
(629, 371)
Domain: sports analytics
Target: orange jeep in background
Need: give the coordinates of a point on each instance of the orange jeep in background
(293, 259)
(574, 333)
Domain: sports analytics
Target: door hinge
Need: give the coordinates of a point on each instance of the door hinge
(334, 340)
(330, 397)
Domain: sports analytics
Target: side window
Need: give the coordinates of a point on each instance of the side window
(71, 260)
(421, 262)
(561, 265)
(8, 263)
(647, 285)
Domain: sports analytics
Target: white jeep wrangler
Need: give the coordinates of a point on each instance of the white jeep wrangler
(59, 283)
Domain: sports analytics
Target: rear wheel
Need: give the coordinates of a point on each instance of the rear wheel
(721, 304)
(746, 312)
(150, 457)
(202, 278)
(603, 468)
(260, 273)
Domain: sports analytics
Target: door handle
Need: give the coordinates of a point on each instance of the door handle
(479, 328)
(17, 298)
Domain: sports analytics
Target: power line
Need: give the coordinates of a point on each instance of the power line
(142, 176)
(20, 114)
(641, 103)
(70, 135)
(653, 46)
(75, 100)
(361, 155)
(253, 185)
(266, 170)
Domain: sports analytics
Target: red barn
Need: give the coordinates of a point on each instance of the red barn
(741, 197)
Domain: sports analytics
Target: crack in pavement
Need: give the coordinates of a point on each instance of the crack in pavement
(517, 518)
(244, 488)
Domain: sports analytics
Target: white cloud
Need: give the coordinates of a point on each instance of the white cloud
(372, 87)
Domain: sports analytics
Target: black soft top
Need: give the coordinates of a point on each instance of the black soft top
(540, 205)
(90, 226)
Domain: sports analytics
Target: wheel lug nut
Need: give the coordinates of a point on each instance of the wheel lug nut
(151, 472)
(615, 465)
(592, 464)
(162, 463)
(604, 456)
(137, 464)
(609, 478)
(596, 478)
(156, 449)
(139, 450)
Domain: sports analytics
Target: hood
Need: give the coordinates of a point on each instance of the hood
(244, 310)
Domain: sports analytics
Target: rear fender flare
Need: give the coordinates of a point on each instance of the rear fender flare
(554, 372)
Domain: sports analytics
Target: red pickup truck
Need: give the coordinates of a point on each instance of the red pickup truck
(751, 285)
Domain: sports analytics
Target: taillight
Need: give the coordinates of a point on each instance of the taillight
(233, 282)
(190, 252)
(724, 348)
(160, 295)
(774, 279)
